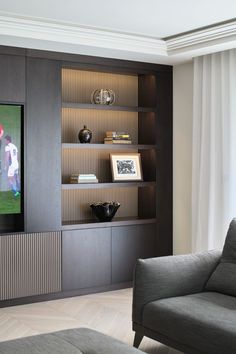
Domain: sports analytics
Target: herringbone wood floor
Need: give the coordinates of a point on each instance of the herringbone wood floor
(108, 312)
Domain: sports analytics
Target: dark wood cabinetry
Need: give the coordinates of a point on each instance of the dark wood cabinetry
(55, 89)
(133, 231)
(104, 256)
(86, 258)
(12, 74)
(128, 244)
(43, 143)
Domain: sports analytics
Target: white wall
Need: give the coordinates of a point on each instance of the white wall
(182, 156)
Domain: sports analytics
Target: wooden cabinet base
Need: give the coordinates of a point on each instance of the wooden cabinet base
(64, 294)
(104, 256)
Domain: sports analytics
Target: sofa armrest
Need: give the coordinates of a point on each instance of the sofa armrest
(163, 277)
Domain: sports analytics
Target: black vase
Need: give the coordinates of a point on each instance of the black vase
(85, 135)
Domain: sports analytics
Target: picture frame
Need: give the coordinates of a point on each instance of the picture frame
(126, 167)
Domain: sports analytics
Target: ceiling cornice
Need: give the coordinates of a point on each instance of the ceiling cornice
(210, 36)
(63, 32)
(47, 34)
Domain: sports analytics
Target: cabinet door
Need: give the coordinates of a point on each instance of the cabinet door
(30, 264)
(86, 258)
(128, 244)
(12, 82)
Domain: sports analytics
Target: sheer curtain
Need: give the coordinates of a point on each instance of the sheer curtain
(214, 149)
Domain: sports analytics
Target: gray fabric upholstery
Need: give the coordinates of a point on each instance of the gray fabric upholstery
(42, 344)
(164, 277)
(223, 278)
(205, 321)
(189, 302)
(72, 341)
(92, 342)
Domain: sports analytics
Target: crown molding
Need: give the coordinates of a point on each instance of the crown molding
(208, 37)
(70, 33)
(47, 34)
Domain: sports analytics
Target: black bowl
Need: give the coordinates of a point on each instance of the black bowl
(105, 211)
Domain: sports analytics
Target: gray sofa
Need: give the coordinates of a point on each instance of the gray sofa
(71, 341)
(188, 302)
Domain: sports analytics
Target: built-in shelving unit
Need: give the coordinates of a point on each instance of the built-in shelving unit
(133, 112)
(60, 244)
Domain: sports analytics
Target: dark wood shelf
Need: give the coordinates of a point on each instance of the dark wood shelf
(73, 186)
(92, 224)
(107, 107)
(108, 146)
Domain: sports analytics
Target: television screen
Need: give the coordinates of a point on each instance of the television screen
(10, 158)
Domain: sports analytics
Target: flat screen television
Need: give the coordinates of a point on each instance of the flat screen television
(11, 124)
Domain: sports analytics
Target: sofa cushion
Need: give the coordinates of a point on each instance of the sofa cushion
(93, 342)
(41, 344)
(223, 279)
(205, 321)
(72, 341)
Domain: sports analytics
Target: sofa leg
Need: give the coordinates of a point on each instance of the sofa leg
(137, 339)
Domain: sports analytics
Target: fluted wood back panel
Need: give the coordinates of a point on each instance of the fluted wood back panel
(76, 202)
(98, 121)
(88, 161)
(30, 264)
(77, 86)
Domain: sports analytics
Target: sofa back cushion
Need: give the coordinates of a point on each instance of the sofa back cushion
(223, 279)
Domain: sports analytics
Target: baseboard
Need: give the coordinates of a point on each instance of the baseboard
(63, 294)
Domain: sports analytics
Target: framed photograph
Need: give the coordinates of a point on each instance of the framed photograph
(126, 167)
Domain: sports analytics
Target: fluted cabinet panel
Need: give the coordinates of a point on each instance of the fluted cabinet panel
(30, 264)
(77, 86)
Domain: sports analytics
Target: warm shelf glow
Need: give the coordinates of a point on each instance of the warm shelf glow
(107, 146)
(107, 185)
(107, 108)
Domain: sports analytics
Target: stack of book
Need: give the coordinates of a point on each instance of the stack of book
(117, 138)
(83, 178)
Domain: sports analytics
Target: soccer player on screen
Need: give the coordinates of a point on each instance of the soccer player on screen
(1, 135)
(12, 164)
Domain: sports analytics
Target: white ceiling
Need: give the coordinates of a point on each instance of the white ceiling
(155, 18)
(129, 29)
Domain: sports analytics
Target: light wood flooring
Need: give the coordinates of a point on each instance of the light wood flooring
(109, 313)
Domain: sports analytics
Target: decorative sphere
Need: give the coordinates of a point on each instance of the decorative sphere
(103, 96)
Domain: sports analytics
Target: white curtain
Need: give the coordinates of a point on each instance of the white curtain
(214, 149)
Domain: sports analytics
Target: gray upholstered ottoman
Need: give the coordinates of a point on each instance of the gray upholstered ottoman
(71, 341)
